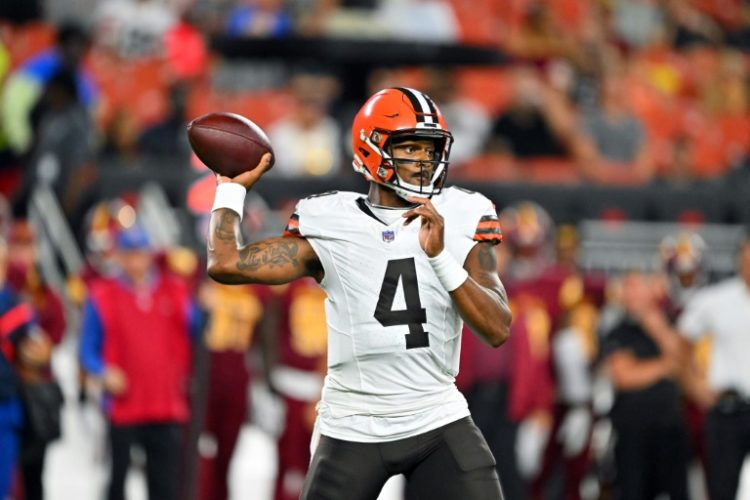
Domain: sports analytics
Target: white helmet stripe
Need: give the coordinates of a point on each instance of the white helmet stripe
(422, 105)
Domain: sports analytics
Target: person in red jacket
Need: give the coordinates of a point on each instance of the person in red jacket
(136, 340)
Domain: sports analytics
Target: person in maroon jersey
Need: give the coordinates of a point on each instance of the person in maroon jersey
(509, 390)
(683, 258)
(234, 316)
(573, 299)
(26, 279)
(297, 356)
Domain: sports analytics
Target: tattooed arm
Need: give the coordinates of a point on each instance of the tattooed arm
(271, 261)
(482, 300)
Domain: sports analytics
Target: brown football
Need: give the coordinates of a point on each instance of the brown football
(228, 143)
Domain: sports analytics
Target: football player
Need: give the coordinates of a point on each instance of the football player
(403, 267)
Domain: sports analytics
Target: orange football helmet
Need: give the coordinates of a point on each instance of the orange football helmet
(390, 116)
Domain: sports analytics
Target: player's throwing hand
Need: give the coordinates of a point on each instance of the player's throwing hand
(249, 178)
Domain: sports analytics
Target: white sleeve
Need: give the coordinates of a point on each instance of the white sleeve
(481, 225)
(695, 320)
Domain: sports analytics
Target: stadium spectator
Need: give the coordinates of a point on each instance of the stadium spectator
(25, 86)
(535, 123)
(418, 20)
(539, 36)
(167, 138)
(26, 278)
(63, 154)
(120, 147)
(133, 29)
(18, 347)
(688, 26)
(21, 11)
(308, 143)
(135, 341)
(723, 312)
(643, 356)
(615, 139)
(739, 34)
(467, 118)
(638, 23)
(259, 19)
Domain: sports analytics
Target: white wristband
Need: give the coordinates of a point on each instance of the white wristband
(230, 195)
(448, 270)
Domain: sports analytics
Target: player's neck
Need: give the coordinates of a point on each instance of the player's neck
(380, 196)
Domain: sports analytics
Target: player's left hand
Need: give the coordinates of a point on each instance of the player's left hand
(431, 232)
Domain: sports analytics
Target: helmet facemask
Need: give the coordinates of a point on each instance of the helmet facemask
(381, 142)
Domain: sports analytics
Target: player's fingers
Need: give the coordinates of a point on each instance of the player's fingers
(420, 211)
(424, 202)
(265, 163)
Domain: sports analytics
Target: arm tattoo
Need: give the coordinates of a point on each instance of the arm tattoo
(487, 258)
(224, 230)
(259, 255)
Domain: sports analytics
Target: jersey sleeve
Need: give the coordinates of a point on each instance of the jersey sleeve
(488, 228)
(475, 218)
(292, 226)
(314, 216)
(695, 320)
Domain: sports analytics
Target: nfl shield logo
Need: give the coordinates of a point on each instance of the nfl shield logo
(388, 236)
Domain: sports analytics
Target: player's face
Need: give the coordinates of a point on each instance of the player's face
(136, 263)
(414, 159)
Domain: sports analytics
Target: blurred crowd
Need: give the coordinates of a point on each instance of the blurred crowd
(607, 389)
(592, 91)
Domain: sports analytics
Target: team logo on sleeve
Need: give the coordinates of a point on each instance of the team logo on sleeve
(389, 235)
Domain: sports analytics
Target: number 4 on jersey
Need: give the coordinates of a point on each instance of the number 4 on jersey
(414, 315)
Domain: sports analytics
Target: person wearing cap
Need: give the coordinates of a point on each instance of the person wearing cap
(723, 312)
(136, 343)
(18, 348)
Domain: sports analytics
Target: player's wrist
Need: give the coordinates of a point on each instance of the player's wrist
(230, 195)
(448, 271)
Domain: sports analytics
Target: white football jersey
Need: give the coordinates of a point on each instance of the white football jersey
(394, 334)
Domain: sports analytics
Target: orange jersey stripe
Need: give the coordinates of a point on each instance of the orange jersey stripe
(492, 237)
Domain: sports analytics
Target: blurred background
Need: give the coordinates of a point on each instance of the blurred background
(613, 137)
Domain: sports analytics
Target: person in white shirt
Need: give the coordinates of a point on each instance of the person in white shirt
(723, 311)
(398, 293)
